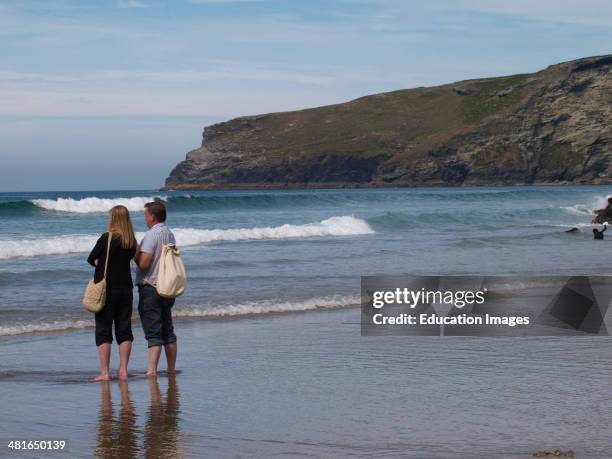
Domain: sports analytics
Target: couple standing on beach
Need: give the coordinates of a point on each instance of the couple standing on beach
(154, 310)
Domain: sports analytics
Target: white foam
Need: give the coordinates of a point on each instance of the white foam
(581, 225)
(266, 307)
(579, 209)
(91, 205)
(243, 309)
(335, 226)
(599, 202)
(58, 325)
(59, 245)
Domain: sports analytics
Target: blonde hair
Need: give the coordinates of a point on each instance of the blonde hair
(120, 225)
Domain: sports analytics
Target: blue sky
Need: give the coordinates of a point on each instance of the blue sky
(112, 94)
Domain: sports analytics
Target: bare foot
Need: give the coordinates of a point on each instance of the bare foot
(102, 377)
(171, 372)
(152, 374)
(122, 375)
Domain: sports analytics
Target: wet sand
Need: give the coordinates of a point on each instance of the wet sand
(308, 384)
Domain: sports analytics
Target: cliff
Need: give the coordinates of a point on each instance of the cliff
(550, 126)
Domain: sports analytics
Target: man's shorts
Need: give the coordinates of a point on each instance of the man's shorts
(155, 316)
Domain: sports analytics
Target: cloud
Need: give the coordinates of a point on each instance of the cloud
(218, 2)
(132, 4)
(224, 89)
(580, 12)
(253, 56)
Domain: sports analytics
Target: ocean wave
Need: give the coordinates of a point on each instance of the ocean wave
(505, 285)
(266, 307)
(54, 326)
(201, 312)
(599, 202)
(579, 209)
(92, 204)
(59, 245)
(175, 203)
(217, 201)
(18, 208)
(252, 200)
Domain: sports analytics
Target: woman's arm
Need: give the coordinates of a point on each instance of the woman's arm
(96, 252)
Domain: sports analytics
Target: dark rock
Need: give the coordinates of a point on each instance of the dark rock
(462, 92)
(504, 92)
(592, 63)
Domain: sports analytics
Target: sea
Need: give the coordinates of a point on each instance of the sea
(275, 251)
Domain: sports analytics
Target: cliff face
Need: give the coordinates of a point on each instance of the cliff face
(551, 126)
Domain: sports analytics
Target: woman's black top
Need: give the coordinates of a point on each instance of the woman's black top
(119, 274)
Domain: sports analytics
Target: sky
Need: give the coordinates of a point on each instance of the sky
(101, 95)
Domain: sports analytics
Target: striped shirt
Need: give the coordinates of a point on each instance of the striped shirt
(152, 243)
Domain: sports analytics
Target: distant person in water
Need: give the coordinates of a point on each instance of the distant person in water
(155, 311)
(598, 234)
(119, 296)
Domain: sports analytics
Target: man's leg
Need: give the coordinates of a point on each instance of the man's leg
(149, 308)
(154, 353)
(168, 334)
(170, 349)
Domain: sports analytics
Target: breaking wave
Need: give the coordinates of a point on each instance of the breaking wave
(266, 307)
(91, 205)
(599, 202)
(56, 325)
(58, 245)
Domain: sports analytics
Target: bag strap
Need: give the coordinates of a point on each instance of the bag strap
(165, 238)
(110, 238)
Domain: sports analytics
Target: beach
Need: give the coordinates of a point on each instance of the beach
(308, 384)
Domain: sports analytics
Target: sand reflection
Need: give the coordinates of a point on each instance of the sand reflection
(162, 429)
(118, 434)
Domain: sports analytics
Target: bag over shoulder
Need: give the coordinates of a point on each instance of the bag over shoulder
(171, 278)
(94, 297)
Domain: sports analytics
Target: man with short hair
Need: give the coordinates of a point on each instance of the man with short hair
(154, 310)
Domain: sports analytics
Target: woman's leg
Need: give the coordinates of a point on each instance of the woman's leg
(123, 330)
(125, 348)
(104, 339)
(104, 351)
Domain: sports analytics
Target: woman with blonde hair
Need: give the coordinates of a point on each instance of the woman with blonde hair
(119, 295)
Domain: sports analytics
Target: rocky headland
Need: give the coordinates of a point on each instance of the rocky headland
(552, 126)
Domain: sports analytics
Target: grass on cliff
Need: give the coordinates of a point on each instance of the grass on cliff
(387, 123)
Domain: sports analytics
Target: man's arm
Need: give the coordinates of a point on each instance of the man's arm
(144, 253)
(143, 260)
